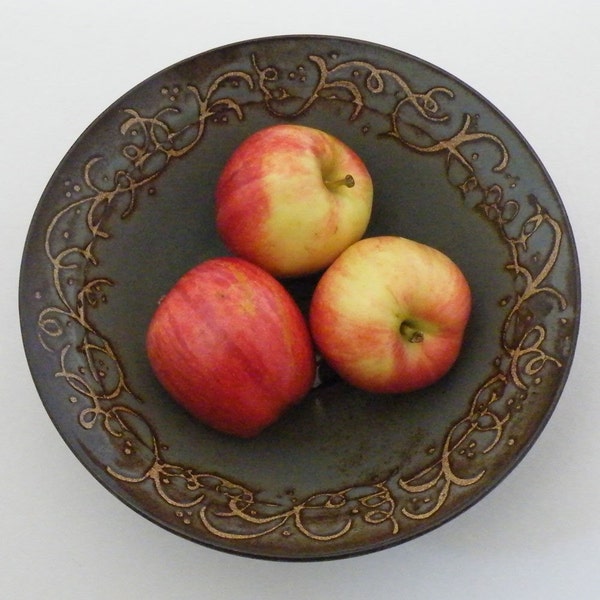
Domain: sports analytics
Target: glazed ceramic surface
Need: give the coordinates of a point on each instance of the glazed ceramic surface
(131, 208)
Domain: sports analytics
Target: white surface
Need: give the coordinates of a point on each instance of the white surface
(64, 537)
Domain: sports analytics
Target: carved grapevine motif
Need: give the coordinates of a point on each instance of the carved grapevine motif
(91, 367)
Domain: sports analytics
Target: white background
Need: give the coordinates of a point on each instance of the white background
(62, 536)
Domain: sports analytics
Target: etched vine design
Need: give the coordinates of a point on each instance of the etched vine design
(91, 367)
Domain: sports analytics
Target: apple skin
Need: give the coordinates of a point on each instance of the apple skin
(283, 201)
(389, 314)
(231, 346)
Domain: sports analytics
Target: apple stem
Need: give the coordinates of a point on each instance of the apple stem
(348, 181)
(413, 335)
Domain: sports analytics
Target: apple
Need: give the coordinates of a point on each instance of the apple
(291, 198)
(229, 343)
(389, 314)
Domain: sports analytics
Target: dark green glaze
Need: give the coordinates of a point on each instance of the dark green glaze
(131, 208)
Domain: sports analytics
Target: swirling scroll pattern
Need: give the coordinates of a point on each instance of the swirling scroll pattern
(520, 368)
(345, 81)
(91, 367)
(151, 144)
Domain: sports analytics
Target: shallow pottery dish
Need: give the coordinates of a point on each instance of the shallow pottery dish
(131, 208)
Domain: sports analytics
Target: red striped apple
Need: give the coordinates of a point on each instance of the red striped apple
(389, 314)
(231, 346)
(291, 198)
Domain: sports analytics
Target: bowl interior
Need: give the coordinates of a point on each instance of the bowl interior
(131, 208)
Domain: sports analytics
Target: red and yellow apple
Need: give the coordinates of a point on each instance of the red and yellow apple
(291, 198)
(389, 314)
(231, 346)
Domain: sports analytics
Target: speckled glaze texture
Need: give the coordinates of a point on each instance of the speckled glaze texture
(131, 208)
